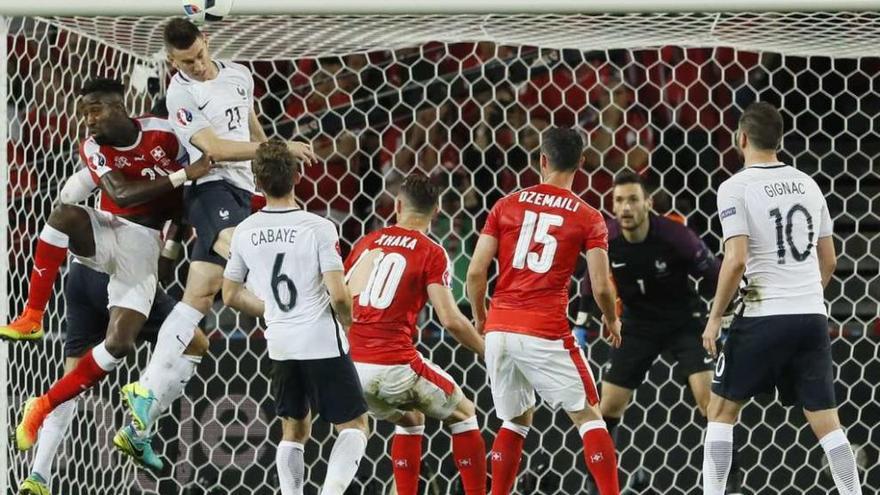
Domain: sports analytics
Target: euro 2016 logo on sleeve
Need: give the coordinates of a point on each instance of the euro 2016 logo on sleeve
(98, 160)
(184, 117)
(241, 92)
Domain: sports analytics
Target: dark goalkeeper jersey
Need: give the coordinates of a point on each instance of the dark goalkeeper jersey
(652, 276)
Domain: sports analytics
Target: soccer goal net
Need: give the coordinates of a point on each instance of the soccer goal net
(464, 98)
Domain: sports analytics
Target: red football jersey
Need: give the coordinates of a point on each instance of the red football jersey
(541, 231)
(157, 152)
(404, 263)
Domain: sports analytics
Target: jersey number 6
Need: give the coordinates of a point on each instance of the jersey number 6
(536, 226)
(280, 280)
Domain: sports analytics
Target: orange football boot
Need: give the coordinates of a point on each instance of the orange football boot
(28, 326)
(35, 411)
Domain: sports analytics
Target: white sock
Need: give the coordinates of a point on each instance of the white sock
(291, 467)
(520, 430)
(717, 456)
(104, 359)
(842, 463)
(168, 384)
(174, 336)
(344, 461)
(53, 432)
(169, 370)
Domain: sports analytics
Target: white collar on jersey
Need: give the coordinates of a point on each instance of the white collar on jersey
(767, 165)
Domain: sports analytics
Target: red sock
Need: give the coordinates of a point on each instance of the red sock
(406, 460)
(506, 455)
(84, 376)
(50, 255)
(601, 460)
(469, 452)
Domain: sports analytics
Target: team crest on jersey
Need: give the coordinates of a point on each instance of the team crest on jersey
(158, 153)
(121, 162)
(184, 117)
(661, 267)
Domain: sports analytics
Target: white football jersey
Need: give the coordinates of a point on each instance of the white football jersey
(783, 212)
(283, 254)
(223, 104)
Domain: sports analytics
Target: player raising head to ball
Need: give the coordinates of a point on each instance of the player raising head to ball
(538, 235)
(211, 108)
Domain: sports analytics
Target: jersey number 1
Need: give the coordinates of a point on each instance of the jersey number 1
(279, 281)
(536, 226)
(780, 246)
(382, 286)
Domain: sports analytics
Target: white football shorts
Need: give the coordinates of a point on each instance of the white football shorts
(129, 253)
(519, 364)
(390, 390)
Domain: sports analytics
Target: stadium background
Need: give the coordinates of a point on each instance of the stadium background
(469, 115)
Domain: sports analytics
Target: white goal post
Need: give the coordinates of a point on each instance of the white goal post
(461, 90)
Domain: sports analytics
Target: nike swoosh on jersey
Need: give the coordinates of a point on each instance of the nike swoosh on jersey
(617, 265)
(202, 107)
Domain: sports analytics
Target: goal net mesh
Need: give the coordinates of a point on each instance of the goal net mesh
(464, 99)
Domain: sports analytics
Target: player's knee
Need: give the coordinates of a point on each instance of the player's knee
(361, 423)
(68, 218)
(411, 418)
(298, 431)
(119, 344)
(198, 346)
(464, 410)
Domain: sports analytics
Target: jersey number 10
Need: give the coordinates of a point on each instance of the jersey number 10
(536, 226)
(780, 246)
(382, 286)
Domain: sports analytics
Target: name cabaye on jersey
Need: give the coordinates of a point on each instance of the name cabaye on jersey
(270, 235)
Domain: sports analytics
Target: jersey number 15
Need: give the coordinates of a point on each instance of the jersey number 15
(536, 227)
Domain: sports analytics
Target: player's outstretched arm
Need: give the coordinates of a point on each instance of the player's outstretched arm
(256, 129)
(340, 297)
(125, 192)
(453, 319)
(225, 150)
(478, 277)
(603, 291)
(237, 296)
(733, 266)
(827, 258)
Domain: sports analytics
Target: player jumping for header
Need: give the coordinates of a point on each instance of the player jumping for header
(538, 235)
(392, 272)
(778, 238)
(211, 107)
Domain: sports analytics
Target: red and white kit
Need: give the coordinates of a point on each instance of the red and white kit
(401, 264)
(125, 250)
(541, 232)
